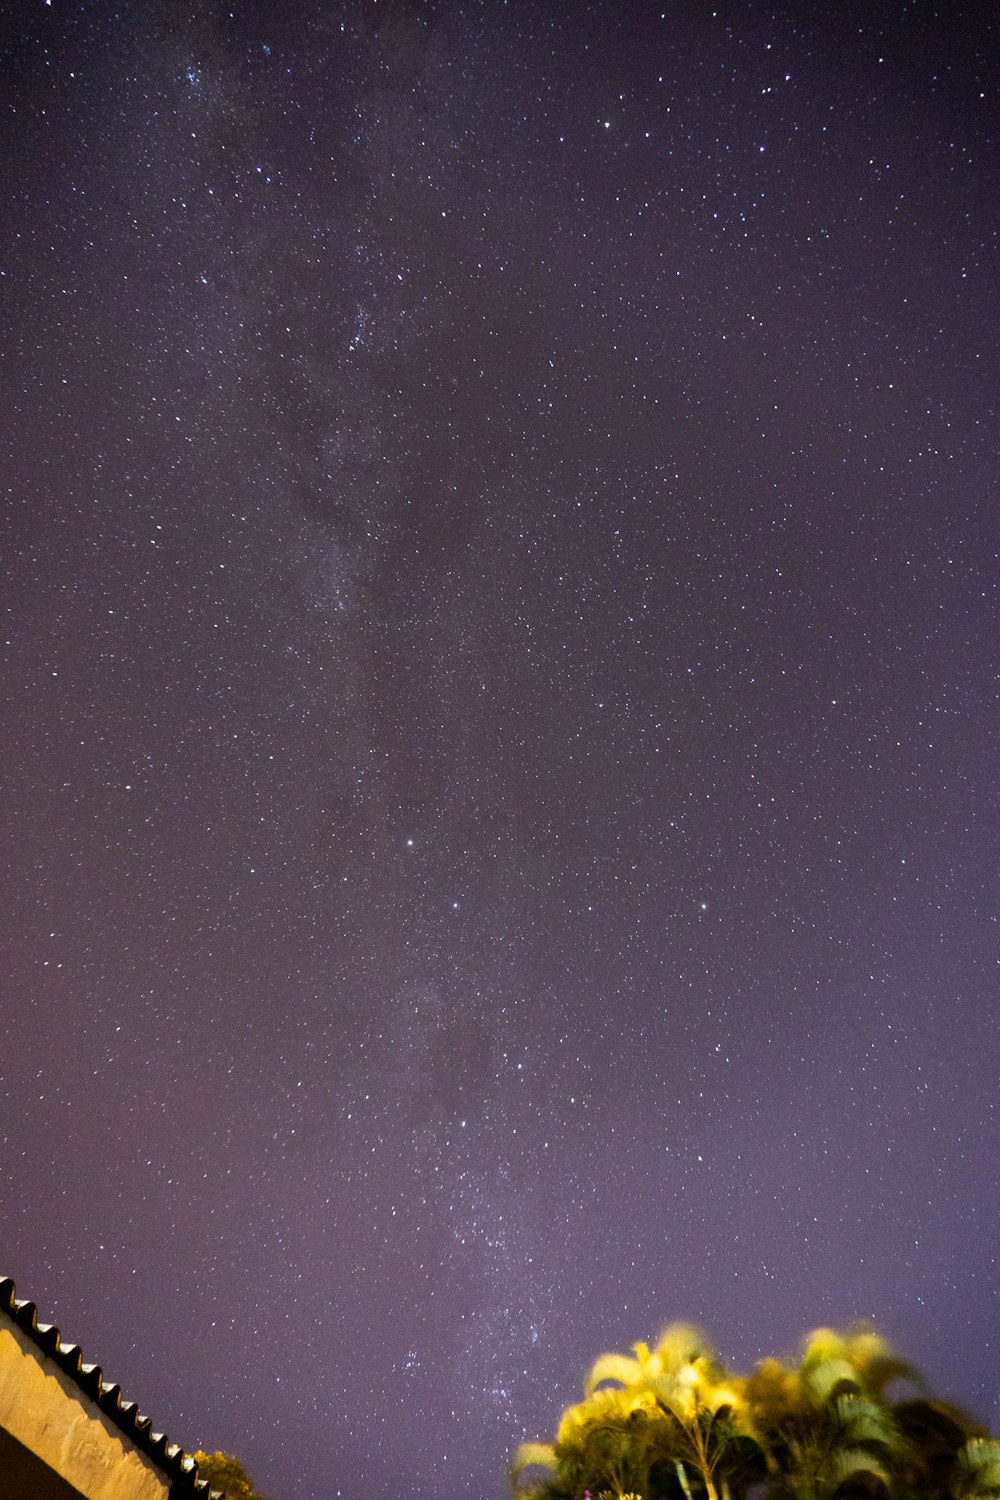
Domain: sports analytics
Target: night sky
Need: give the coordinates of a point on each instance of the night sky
(499, 582)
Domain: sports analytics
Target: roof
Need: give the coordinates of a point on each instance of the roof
(180, 1466)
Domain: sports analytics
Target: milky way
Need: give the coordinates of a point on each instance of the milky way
(499, 579)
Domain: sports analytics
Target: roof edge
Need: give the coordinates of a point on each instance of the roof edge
(180, 1467)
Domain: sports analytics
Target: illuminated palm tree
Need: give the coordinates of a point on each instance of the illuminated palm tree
(935, 1434)
(531, 1456)
(664, 1428)
(599, 1447)
(668, 1424)
(976, 1475)
(825, 1428)
(685, 1415)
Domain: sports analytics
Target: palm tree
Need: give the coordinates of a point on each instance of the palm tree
(935, 1433)
(658, 1424)
(685, 1414)
(825, 1428)
(598, 1447)
(667, 1423)
(976, 1475)
(539, 1456)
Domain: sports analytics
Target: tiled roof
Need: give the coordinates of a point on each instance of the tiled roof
(178, 1465)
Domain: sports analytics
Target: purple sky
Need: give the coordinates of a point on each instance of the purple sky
(499, 571)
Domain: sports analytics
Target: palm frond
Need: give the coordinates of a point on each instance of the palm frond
(822, 1344)
(852, 1461)
(822, 1379)
(683, 1344)
(771, 1394)
(876, 1361)
(864, 1422)
(620, 1367)
(977, 1469)
(530, 1456)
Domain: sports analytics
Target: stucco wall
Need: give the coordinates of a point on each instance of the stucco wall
(46, 1412)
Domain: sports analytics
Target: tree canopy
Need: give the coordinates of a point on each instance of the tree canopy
(226, 1473)
(669, 1423)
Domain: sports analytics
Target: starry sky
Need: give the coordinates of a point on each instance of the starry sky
(499, 579)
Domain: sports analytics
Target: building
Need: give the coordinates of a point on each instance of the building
(65, 1434)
